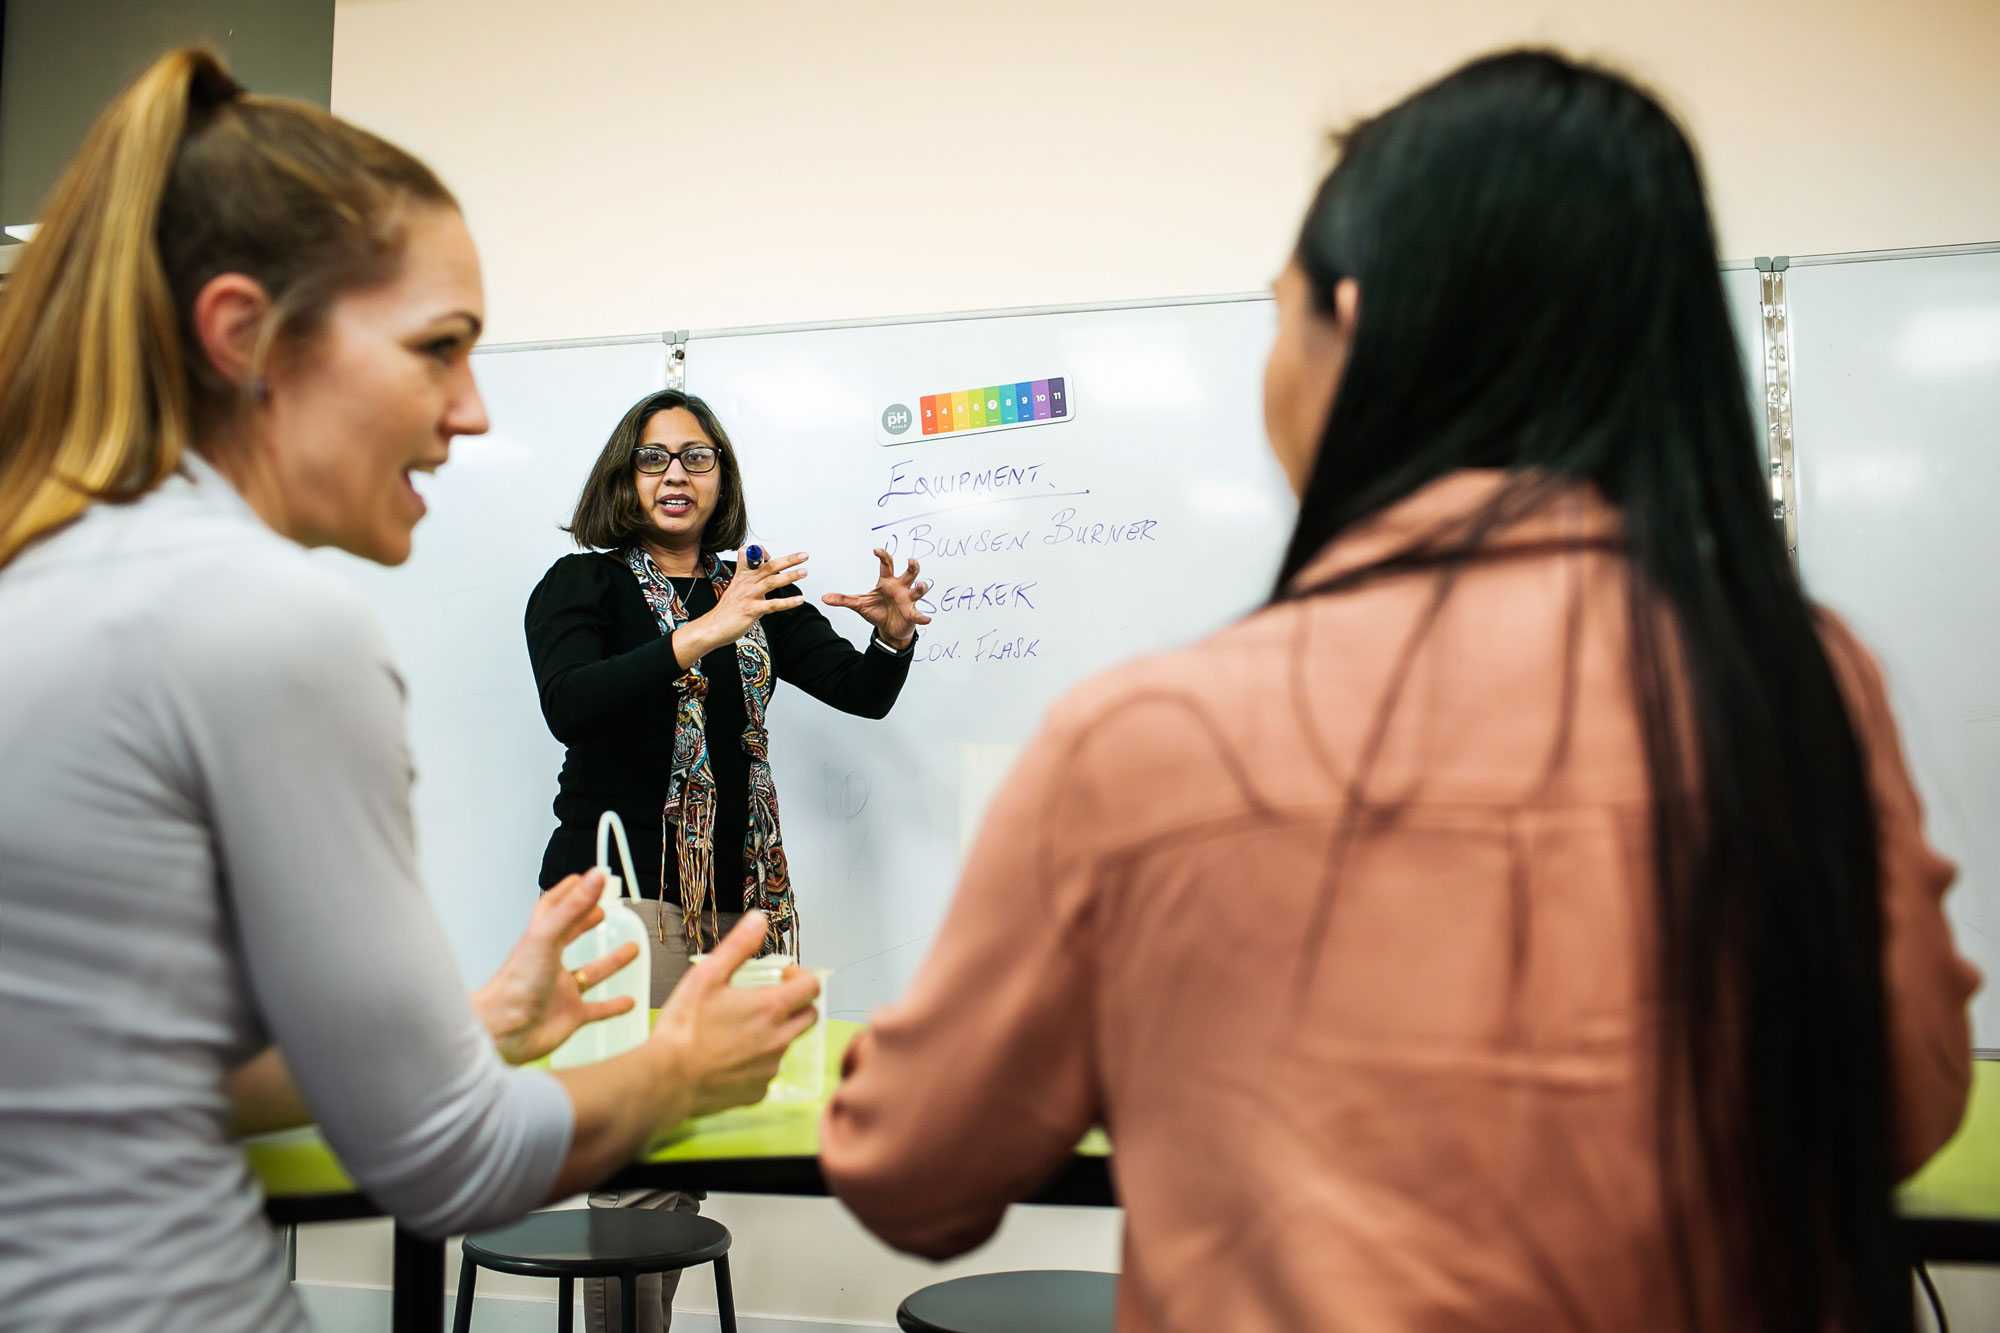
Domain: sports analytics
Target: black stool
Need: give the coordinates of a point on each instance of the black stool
(1050, 1301)
(599, 1242)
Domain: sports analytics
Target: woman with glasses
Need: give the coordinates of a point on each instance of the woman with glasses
(656, 658)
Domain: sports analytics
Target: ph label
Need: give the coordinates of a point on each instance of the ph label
(1009, 405)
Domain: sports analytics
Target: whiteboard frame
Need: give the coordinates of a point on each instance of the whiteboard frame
(563, 344)
(671, 336)
(1913, 252)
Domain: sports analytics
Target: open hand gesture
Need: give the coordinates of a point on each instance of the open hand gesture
(533, 1003)
(742, 604)
(891, 605)
(747, 599)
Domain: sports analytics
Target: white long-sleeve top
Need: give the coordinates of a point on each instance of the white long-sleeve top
(206, 846)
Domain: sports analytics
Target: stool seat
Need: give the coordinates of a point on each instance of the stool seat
(599, 1242)
(1045, 1301)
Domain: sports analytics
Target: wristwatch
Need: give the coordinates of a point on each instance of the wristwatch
(882, 643)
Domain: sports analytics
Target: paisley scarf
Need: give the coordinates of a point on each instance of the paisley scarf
(688, 822)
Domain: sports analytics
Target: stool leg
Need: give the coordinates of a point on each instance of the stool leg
(468, 1274)
(628, 1303)
(725, 1299)
(565, 1305)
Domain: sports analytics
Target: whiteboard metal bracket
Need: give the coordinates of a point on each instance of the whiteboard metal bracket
(677, 354)
(1777, 328)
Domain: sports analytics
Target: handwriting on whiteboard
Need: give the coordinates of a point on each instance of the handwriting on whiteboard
(905, 480)
(1065, 527)
(975, 597)
(931, 495)
(991, 646)
(947, 520)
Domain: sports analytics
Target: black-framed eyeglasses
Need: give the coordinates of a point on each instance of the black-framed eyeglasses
(652, 460)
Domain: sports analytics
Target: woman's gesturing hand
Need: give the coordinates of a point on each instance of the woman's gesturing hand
(742, 604)
(891, 605)
(726, 1042)
(713, 1046)
(533, 1004)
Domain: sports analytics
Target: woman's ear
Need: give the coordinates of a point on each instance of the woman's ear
(1347, 309)
(230, 312)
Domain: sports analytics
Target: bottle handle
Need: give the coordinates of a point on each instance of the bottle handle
(608, 823)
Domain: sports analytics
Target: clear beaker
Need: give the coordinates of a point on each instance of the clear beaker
(802, 1070)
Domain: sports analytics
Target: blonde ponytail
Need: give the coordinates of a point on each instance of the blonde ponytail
(183, 177)
(93, 404)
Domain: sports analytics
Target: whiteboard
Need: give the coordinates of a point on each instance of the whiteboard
(486, 763)
(1896, 392)
(1177, 528)
(1150, 517)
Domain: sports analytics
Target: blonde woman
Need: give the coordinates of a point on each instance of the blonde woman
(242, 327)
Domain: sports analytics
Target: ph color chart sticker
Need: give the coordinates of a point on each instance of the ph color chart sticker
(995, 407)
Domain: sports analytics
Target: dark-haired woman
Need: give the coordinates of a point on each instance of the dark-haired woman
(656, 659)
(1525, 921)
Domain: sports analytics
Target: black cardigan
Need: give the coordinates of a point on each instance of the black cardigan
(606, 676)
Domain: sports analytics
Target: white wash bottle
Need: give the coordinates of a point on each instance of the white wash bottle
(611, 1036)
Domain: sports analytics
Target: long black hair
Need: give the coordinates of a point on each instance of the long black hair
(1539, 293)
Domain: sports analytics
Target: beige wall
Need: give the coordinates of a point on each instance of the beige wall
(631, 165)
(634, 165)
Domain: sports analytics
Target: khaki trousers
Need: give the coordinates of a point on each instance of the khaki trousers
(601, 1295)
(670, 957)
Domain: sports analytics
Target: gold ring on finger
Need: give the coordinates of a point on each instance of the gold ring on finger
(582, 982)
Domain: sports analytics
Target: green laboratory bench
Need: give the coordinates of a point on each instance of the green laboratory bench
(770, 1148)
(1952, 1206)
